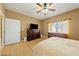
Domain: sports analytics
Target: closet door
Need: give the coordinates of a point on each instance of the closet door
(12, 31)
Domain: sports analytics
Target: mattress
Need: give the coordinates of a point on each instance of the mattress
(56, 46)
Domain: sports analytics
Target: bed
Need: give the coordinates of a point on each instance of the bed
(56, 46)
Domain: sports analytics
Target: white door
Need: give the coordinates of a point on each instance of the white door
(12, 31)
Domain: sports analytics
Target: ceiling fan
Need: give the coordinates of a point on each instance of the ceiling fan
(45, 7)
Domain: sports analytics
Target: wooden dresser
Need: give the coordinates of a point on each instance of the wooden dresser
(33, 34)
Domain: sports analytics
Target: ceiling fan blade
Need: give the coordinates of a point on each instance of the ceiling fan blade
(52, 9)
(50, 3)
(39, 4)
(39, 11)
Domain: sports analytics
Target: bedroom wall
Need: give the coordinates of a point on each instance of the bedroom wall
(73, 25)
(0, 35)
(0, 29)
(25, 21)
(2, 8)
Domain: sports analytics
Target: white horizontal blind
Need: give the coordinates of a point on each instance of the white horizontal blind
(58, 27)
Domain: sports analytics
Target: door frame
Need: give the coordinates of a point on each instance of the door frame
(2, 27)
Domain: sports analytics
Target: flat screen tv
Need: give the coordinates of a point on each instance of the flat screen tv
(33, 26)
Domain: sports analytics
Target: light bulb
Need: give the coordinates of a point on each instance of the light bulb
(46, 10)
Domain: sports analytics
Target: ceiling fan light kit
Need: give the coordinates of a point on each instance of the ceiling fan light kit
(45, 7)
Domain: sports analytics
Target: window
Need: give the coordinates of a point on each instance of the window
(58, 27)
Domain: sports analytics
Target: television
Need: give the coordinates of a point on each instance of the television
(34, 26)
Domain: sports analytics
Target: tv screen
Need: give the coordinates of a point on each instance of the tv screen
(33, 26)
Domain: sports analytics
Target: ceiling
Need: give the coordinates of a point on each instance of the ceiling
(30, 9)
